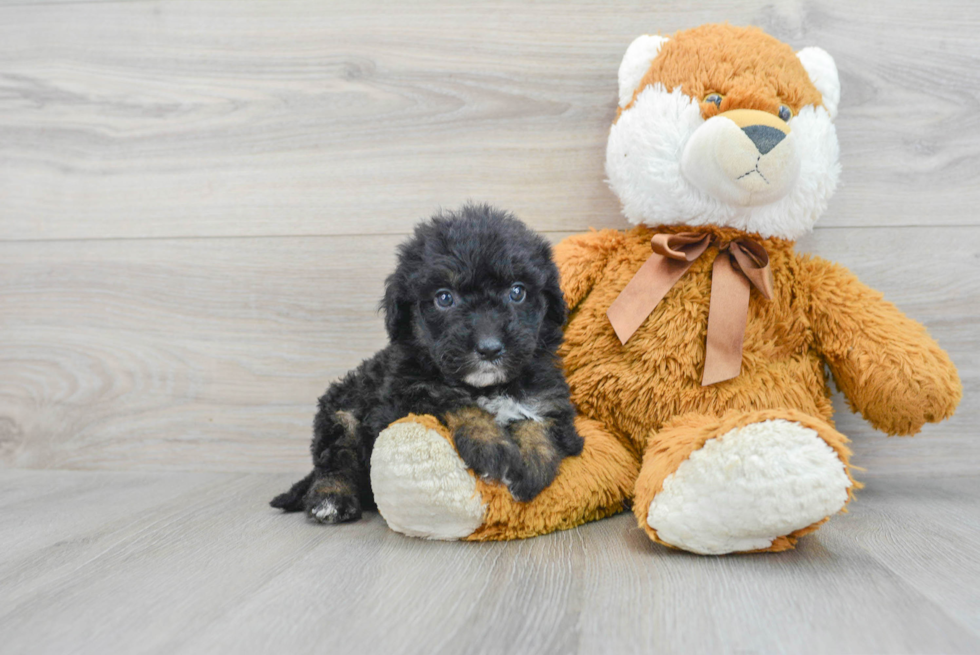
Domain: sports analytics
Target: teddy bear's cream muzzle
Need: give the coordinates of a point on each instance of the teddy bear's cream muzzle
(743, 157)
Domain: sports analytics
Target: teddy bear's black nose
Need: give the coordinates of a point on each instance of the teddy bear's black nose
(764, 137)
(489, 348)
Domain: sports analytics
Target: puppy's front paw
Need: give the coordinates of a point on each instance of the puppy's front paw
(539, 460)
(482, 444)
(332, 501)
(532, 480)
(493, 459)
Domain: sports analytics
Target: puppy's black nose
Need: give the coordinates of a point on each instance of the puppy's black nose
(489, 348)
(764, 137)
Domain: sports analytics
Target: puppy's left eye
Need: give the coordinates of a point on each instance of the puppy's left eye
(785, 112)
(444, 299)
(518, 293)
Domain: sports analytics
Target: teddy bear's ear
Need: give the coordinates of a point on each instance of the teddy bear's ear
(636, 62)
(822, 70)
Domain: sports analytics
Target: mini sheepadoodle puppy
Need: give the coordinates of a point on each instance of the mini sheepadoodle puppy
(474, 315)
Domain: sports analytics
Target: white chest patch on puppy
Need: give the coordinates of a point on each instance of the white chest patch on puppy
(507, 410)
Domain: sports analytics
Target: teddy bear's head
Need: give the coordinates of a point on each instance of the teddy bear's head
(723, 125)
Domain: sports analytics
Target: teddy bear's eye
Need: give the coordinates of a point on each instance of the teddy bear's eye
(714, 98)
(444, 299)
(785, 112)
(517, 293)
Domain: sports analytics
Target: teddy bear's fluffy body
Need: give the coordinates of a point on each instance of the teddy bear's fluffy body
(815, 317)
(726, 132)
(649, 390)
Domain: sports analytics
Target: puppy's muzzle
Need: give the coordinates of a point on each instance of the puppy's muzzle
(488, 351)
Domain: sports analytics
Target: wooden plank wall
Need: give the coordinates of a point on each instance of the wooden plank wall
(199, 200)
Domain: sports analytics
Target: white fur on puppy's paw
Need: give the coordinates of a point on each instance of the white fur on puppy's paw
(335, 509)
(744, 489)
(421, 486)
(325, 512)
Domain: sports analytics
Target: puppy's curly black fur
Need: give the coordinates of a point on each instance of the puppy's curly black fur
(474, 316)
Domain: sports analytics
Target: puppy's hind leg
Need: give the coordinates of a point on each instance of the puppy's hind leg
(340, 484)
(332, 499)
(331, 492)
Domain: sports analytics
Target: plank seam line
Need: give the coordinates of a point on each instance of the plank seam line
(228, 237)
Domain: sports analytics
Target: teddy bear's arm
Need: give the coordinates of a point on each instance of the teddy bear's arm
(887, 365)
(581, 259)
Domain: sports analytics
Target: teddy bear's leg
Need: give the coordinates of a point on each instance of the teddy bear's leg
(423, 489)
(748, 481)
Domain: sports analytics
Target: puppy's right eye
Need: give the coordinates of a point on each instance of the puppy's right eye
(444, 299)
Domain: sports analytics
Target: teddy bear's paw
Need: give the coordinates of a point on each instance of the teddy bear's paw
(744, 489)
(421, 486)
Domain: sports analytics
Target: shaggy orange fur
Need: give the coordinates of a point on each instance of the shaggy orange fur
(891, 370)
(596, 484)
(646, 398)
(749, 68)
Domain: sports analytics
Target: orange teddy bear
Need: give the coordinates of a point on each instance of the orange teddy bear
(699, 341)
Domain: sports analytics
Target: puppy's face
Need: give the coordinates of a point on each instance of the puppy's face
(478, 293)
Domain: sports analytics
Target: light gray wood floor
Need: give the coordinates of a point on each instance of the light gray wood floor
(199, 202)
(122, 562)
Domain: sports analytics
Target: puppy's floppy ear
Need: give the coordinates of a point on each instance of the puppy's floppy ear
(399, 298)
(557, 311)
(397, 308)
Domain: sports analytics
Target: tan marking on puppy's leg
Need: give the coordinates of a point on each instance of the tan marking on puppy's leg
(333, 486)
(480, 425)
(539, 457)
(482, 443)
(533, 440)
(532, 437)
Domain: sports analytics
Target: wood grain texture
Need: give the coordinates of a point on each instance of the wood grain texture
(208, 568)
(209, 354)
(905, 524)
(136, 119)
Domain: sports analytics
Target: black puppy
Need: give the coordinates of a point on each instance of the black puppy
(474, 315)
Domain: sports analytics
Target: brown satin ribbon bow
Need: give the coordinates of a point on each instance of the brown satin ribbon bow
(739, 263)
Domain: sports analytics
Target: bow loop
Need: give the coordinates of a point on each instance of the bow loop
(752, 261)
(740, 263)
(685, 246)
